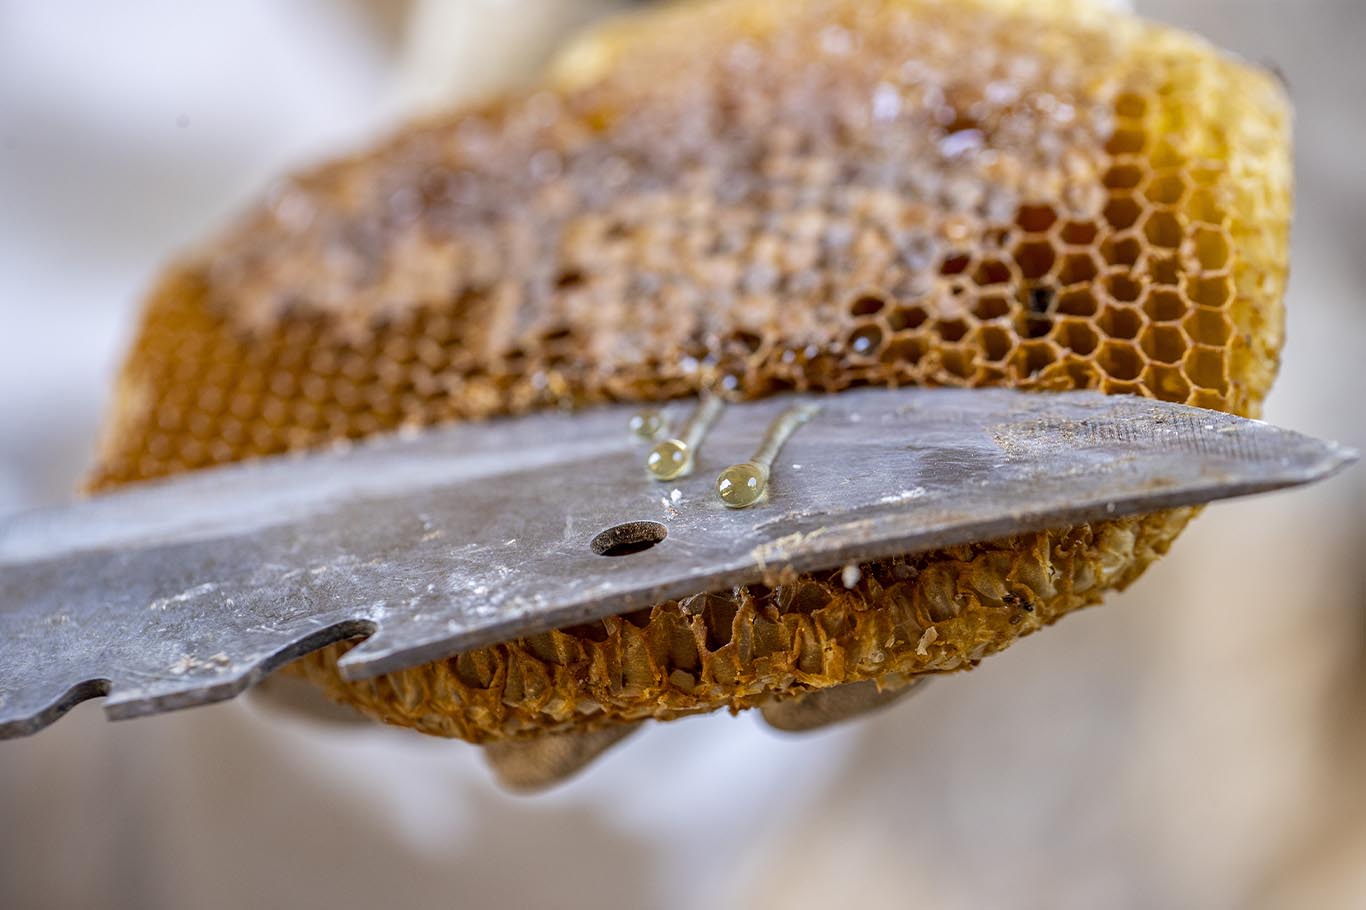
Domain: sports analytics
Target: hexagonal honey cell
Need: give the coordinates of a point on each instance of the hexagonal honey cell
(1035, 258)
(866, 339)
(1079, 233)
(1214, 291)
(1166, 189)
(1036, 218)
(1205, 367)
(1209, 327)
(1164, 344)
(1164, 304)
(868, 303)
(996, 341)
(907, 317)
(1163, 229)
(1077, 335)
(1077, 268)
(1122, 212)
(1120, 359)
(1167, 381)
(1122, 322)
(1080, 301)
(1211, 249)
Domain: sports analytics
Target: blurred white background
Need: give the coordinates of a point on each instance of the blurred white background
(1198, 742)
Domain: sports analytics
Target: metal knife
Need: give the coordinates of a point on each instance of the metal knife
(189, 590)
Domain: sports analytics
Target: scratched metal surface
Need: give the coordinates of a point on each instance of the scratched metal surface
(188, 591)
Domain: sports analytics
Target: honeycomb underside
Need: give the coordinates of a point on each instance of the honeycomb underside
(750, 197)
(934, 613)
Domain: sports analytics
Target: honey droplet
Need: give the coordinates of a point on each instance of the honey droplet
(646, 424)
(670, 459)
(742, 485)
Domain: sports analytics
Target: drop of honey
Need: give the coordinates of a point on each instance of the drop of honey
(646, 424)
(669, 459)
(742, 485)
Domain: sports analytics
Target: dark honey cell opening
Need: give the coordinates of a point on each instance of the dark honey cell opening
(991, 306)
(1036, 219)
(952, 330)
(867, 305)
(907, 317)
(1122, 211)
(1126, 141)
(1079, 233)
(1077, 268)
(866, 340)
(991, 271)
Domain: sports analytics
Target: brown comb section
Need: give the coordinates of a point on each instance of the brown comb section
(749, 197)
(933, 613)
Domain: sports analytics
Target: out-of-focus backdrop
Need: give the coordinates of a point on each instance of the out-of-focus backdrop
(1198, 742)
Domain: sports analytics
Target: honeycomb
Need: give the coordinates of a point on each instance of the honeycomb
(748, 197)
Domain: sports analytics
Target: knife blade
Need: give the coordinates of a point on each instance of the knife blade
(187, 591)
